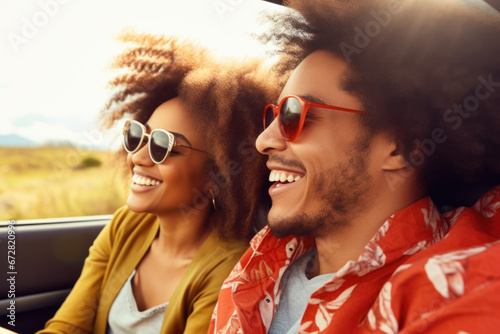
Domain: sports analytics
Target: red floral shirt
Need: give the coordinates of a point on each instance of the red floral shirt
(422, 272)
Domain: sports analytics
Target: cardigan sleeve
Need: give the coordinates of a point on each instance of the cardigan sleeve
(203, 306)
(204, 303)
(77, 313)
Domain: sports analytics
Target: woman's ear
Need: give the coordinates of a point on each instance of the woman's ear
(211, 189)
(212, 192)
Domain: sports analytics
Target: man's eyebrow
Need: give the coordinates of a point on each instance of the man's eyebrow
(314, 99)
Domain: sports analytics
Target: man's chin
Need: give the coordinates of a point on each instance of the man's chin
(282, 228)
(278, 232)
(278, 225)
(301, 225)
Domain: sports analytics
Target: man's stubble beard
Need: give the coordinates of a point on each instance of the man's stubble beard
(341, 191)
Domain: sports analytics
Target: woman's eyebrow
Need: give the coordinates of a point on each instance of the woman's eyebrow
(178, 135)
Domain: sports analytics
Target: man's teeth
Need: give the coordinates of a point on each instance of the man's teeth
(276, 176)
(144, 181)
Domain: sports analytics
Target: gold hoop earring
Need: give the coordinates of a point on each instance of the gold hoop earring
(213, 202)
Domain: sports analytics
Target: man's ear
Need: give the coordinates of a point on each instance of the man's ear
(394, 159)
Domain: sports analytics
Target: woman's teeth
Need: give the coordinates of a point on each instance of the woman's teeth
(144, 181)
(277, 176)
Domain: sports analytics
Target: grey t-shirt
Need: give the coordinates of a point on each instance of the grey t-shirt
(295, 293)
(124, 316)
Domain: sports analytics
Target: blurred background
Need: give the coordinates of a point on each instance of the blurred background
(54, 160)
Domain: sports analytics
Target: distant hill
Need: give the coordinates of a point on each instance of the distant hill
(14, 140)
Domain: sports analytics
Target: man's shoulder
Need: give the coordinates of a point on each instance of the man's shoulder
(455, 264)
(458, 275)
(486, 209)
(472, 241)
(445, 285)
(469, 226)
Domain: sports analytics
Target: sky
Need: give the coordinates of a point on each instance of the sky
(54, 53)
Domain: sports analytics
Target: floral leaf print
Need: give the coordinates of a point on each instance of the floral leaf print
(323, 318)
(232, 327)
(416, 248)
(381, 316)
(326, 311)
(334, 284)
(315, 301)
(401, 268)
(341, 299)
(432, 219)
(390, 324)
(233, 277)
(257, 239)
(260, 272)
(487, 206)
(382, 230)
(437, 273)
(446, 271)
(373, 257)
(452, 216)
(304, 328)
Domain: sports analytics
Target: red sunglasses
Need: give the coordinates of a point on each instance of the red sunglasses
(292, 112)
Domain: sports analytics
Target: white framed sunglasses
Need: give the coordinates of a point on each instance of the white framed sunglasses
(160, 142)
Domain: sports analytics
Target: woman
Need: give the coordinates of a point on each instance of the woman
(195, 191)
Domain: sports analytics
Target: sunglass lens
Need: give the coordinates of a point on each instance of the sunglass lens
(159, 146)
(268, 116)
(133, 137)
(290, 117)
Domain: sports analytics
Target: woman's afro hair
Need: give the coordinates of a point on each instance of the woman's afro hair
(226, 97)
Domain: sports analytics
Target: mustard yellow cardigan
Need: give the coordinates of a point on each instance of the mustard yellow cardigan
(113, 256)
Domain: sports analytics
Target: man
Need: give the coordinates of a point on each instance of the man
(391, 101)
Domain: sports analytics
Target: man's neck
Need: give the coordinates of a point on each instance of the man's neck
(346, 243)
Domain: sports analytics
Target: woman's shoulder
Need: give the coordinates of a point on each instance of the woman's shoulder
(215, 259)
(126, 220)
(228, 246)
(217, 251)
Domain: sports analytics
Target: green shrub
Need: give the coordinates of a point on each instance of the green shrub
(90, 162)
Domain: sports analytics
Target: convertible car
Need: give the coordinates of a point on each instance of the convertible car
(41, 260)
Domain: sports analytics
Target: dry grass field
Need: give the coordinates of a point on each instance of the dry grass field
(49, 182)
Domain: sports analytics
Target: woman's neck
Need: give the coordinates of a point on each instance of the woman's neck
(182, 237)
